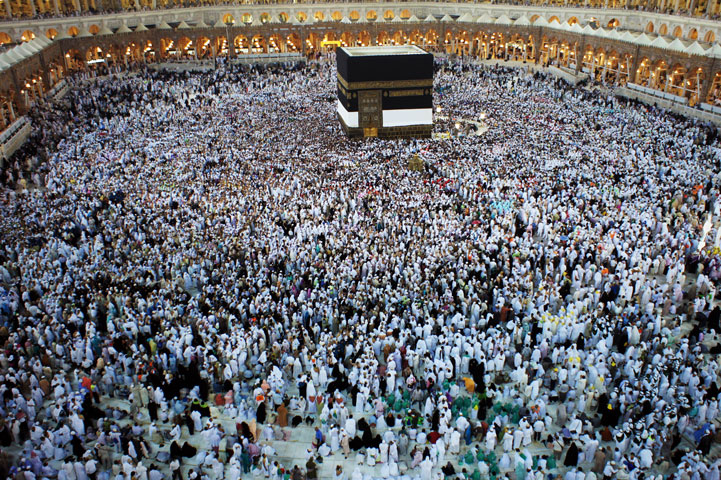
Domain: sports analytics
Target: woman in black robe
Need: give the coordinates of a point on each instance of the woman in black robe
(368, 440)
(176, 451)
(356, 443)
(153, 411)
(78, 448)
(448, 470)
(6, 438)
(571, 459)
(435, 420)
(244, 431)
(714, 319)
(260, 413)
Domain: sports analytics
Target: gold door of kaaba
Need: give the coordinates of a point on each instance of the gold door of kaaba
(370, 111)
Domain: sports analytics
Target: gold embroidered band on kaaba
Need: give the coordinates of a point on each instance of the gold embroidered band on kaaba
(407, 93)
(426, 82)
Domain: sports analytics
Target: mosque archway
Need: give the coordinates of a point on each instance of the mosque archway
(347, 39)
(463, 43)
(714, 94)
(588, 60)
(497, 45)
(364, 38)
(221, 45)
(611, 72)
(415, 38)
(205, 48)
(276, 44)
(312, 42)
(383, 38)
(293, 43)
(258, 44)
(149, 51)
(675, 82)
(94, 53)
(599, 65)
(659, 75)
(329, 40)
(74, 60)
(186, 48)
(530, 48)
(516, 48)
(431, 38)
(241, 44)
(167, 47)
(448, 42)
(694, 81)
(643, 72)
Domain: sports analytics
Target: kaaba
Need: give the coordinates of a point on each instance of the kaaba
(385, 92)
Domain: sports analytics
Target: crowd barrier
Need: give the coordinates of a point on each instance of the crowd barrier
(657, 93)
(14, 136)
(247, 59)
(703, 111)
(567, 74)
(59, 90)
(269, 58)
(711, 108)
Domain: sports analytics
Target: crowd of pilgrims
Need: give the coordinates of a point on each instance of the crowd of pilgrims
(196, 265)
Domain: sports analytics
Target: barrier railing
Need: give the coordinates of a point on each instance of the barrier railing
(657, 93)
(59, 90)
(14, 136)
(711, 108)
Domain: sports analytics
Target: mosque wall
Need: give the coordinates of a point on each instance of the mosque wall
(373, 15)
(615, 62)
